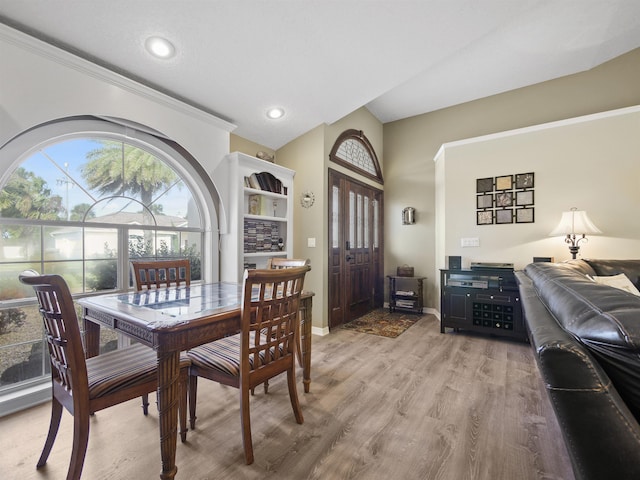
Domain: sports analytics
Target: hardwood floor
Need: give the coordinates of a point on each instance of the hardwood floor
(422, 406)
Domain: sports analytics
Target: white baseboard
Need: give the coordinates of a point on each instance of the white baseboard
(321, 331)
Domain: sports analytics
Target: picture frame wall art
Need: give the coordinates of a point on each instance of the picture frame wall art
(524, 180)
(504, 183)
(524, 198)
(484, 201)
(524, 215)
(485, 217)
(505, 199)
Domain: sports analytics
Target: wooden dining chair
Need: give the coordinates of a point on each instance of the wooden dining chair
(264, 348)
(279, 263)
(82, 386)
(148, 274)
(153, 274)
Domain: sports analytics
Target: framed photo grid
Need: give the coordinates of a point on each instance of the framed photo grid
(505, 199)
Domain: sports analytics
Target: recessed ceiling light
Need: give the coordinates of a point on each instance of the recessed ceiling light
(275, 113)
(160, 47)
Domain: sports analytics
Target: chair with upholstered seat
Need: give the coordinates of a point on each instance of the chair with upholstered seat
(154, 274)
(279, 263)
(82, 386)
(264, 348)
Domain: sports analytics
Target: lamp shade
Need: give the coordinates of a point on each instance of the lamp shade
(575, 222)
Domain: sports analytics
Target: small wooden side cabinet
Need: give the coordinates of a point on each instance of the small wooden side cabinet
(405, 294)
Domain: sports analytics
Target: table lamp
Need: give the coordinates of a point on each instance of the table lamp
(575, 224)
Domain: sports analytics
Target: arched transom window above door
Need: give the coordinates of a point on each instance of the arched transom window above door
(354, 151)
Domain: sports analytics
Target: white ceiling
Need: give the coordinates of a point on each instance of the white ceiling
(323, 59)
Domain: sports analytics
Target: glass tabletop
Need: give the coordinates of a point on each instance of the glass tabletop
(175, 302)
(169, 307)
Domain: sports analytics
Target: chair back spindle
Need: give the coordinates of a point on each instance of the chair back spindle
(278, 263)
(62, 332)
(161, 273)
(269, 316)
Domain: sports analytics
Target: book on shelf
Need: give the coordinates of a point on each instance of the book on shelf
(265, 181)
(404, 303)
(405, 293)
(253, 181)
(260, 236)
(262, 181)
(271, 182)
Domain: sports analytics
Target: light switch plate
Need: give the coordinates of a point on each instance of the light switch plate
(470, 242)
(311, 242)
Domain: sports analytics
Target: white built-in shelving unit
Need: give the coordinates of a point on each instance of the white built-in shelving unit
(256, 218)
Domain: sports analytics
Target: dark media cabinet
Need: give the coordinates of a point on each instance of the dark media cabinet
(483, 300)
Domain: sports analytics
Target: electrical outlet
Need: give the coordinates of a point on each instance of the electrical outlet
(311, 242)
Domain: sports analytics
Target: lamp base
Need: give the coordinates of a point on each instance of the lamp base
(574, 251)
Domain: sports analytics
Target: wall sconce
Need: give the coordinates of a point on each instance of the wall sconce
(408, 216)
(575, 225)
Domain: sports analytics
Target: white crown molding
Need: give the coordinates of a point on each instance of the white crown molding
(69, 60)
(535, 128)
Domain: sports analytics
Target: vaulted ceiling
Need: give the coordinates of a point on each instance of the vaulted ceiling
(322, 59)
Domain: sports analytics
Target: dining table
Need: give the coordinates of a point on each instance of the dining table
(172, 320)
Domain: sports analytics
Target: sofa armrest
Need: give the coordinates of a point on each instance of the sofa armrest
(601, 434)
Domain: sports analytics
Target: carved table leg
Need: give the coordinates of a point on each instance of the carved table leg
(168, 395)
(91, 338)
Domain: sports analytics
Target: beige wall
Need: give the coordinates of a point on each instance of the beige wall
(239, 144)
(410, 146)
(568, 158)
(406, 150)
(304, 155)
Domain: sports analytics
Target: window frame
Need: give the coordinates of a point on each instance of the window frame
(34, 390)
(360, 138)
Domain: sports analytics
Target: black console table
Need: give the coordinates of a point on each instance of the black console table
(481, 300)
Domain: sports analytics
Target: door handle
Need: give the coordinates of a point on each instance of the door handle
(349, 257)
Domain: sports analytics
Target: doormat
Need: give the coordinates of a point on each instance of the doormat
(382, 322)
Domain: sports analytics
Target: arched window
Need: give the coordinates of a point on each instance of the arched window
(353, 150)
(80, 199)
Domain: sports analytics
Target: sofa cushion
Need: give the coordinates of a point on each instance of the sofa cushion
(631, 268)
(620, 281)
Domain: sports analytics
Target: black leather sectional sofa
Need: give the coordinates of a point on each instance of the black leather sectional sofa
(586, 337)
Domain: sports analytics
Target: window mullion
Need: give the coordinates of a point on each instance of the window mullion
(123, 258)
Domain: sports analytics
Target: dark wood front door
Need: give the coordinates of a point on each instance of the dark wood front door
(355, 248)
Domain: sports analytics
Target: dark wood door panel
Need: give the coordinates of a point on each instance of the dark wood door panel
(355, 254)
